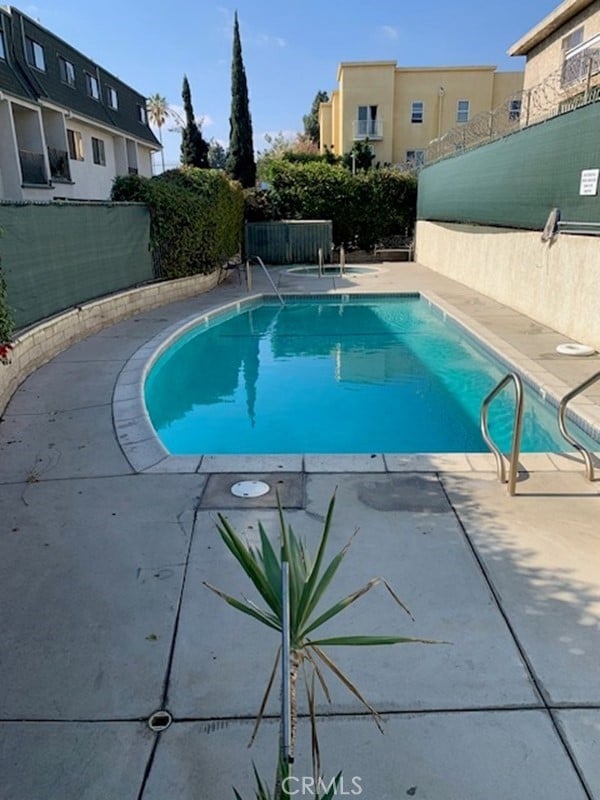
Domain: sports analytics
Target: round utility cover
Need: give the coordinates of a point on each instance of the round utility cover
(250, 488)
(572, 349)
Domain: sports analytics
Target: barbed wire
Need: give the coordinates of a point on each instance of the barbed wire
(575, 84)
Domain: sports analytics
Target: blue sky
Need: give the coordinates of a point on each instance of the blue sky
(291, 49)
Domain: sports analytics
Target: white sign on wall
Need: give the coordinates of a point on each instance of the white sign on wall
(589, 181)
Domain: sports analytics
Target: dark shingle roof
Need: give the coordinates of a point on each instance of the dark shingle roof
(10, 79)
(48, 85)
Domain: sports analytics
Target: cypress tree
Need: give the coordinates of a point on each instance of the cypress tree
(312, 130)
(194, 150)
(240, 161)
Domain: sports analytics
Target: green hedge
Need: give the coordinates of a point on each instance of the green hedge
(197, 217)
(6, 320)
(363, 208)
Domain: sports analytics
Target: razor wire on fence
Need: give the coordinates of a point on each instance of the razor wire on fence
(575, 84)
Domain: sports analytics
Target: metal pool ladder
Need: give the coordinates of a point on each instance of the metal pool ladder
(513, 461)
(562, 410)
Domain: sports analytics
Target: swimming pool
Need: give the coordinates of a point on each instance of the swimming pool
(336, 374)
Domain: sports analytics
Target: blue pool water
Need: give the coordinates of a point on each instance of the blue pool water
(326, 376)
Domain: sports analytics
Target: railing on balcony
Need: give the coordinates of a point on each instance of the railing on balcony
(132, 170)
(367, 129)
(33, 167)
(583, 64)
(59, 164)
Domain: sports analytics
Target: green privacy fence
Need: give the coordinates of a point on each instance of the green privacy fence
(58, 255)
(516, 181)
(288, 242)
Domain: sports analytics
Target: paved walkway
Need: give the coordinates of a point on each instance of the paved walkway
(104, 618)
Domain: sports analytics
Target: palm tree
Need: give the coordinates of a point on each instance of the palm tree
(158, 111)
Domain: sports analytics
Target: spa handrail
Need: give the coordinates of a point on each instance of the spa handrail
(562, 410)
(513, 461)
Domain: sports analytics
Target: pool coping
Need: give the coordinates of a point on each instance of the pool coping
(145, 453)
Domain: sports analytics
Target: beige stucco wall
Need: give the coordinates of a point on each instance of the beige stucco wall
(40, 343)
(546, 58)
(506, 85)
(557, 285)
(439, 90)
(325, 126)
(368, 84)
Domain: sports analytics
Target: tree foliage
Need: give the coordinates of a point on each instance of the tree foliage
(194, 149)
(217, 155)
(196, 217)
(158, 112)
(295, 148)
(360, 157)
(240, 160)
(311, 120)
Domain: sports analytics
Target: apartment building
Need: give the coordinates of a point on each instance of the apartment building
(563, 52)
(400, 110)
(67, 126)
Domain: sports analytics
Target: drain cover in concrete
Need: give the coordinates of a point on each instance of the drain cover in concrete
(288, 485)
(249, 488)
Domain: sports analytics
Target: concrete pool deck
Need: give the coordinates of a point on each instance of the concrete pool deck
(105, 618)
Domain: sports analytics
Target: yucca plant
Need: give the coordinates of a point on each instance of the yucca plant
(309, 578)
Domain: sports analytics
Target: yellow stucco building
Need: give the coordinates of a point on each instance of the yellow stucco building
(401, 109)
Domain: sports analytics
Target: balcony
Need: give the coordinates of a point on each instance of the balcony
(59, 165)
(33, 168)
(580, 65)
(132, 170)
(367, 129)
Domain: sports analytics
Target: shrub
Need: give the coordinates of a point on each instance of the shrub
(196, 217)
(260, 206)
(6, 320)
(363, 208)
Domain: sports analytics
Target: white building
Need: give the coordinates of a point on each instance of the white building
(67, 126)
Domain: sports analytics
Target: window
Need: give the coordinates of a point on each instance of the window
(67, 71)
(514, 110)
(416, 158)
(462, 111)
(112, 100)
(75, 142)
(142, 114)
(416, 114)
(35, 54)
(98, 154)
(366, 121)
(2, 48)
(91, 86)
(573, 39)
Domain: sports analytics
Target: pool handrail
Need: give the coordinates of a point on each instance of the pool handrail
(562, 425)
(513, 461)
(261, 263)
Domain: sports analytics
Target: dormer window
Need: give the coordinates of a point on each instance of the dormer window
(91, 86)
(2, 47)
(67, 71)
(142, 115)
(112, 101)
(35, 54)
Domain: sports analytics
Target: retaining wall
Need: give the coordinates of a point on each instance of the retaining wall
(40, 343)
